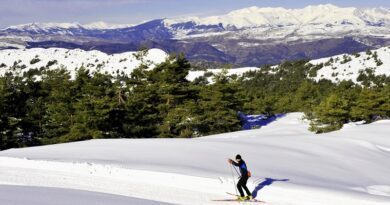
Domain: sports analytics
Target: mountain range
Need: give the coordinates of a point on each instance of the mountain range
(247, 37)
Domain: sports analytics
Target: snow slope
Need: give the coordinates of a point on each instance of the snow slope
(74, 59)
(339, 70)
(21, 195)
(126, 62)
(92, 60)
(289, 164)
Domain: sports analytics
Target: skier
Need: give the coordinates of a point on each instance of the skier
(245, 174)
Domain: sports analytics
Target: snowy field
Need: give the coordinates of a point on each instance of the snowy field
(289, 165)
(20, 195)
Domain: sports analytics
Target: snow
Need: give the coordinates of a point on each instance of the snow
(74, 59)
(289, 165)
(126, 62)
(233, 71)
(92, 60)
(311, 22)
(103, 25)
(21, 195)
(52, 25)
(45, 26)
(350, 70)
(14, 45)
(280, 24)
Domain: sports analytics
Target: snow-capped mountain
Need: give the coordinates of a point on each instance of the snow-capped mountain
(52, 27)
(247, 37)
(290, 24)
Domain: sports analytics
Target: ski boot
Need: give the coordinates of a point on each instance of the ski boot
(250, 197)
(241, 198)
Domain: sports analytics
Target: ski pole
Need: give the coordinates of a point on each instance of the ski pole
(236, 171)
(234, 180)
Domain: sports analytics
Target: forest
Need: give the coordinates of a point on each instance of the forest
(162, 103)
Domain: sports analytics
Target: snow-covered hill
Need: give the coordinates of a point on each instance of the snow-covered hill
(349, 66)
(22, 60)
(335, 68)
(290, 165)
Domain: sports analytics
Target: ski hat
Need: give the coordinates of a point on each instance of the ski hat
(238, 156)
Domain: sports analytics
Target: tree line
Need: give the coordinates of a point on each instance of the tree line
(161, 102)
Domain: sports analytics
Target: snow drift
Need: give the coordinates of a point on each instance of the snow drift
(289, 164)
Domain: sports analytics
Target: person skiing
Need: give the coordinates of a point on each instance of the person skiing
(245, 174)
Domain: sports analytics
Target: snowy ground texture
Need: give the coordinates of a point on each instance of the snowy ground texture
(339, 70)
(290, 166)
(19, 61)
(21, 195)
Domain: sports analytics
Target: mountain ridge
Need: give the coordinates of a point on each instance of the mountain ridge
(246, 37)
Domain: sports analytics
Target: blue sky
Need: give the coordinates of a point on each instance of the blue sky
(135, 11)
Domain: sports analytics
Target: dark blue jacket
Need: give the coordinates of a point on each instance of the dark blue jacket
(242, 166)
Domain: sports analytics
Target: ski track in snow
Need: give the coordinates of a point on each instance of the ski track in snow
(290, 166)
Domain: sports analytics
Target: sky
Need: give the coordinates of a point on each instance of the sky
(14, 12)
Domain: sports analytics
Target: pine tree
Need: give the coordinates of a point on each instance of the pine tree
(142, 116)
(306, 97)
(220, 106)
(331, 114)
(35, 98)
(59, 105)
(370, 104)
(12, 103)
(182, 121)
(94, 103)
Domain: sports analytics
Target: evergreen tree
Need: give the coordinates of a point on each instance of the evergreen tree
(58, 105)
(142, 116)
(12, 102)
(306, 97)
(93, 106)
(35, 97)
(331, 114)
(370, 104)
(220, 106)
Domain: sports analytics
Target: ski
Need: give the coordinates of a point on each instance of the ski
(250, 200)
(232, 194)
(236, 200)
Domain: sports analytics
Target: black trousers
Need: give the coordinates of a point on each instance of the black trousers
(242, 185)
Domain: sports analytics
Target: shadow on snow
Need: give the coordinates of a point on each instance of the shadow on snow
(266, 182)
(257, 121)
